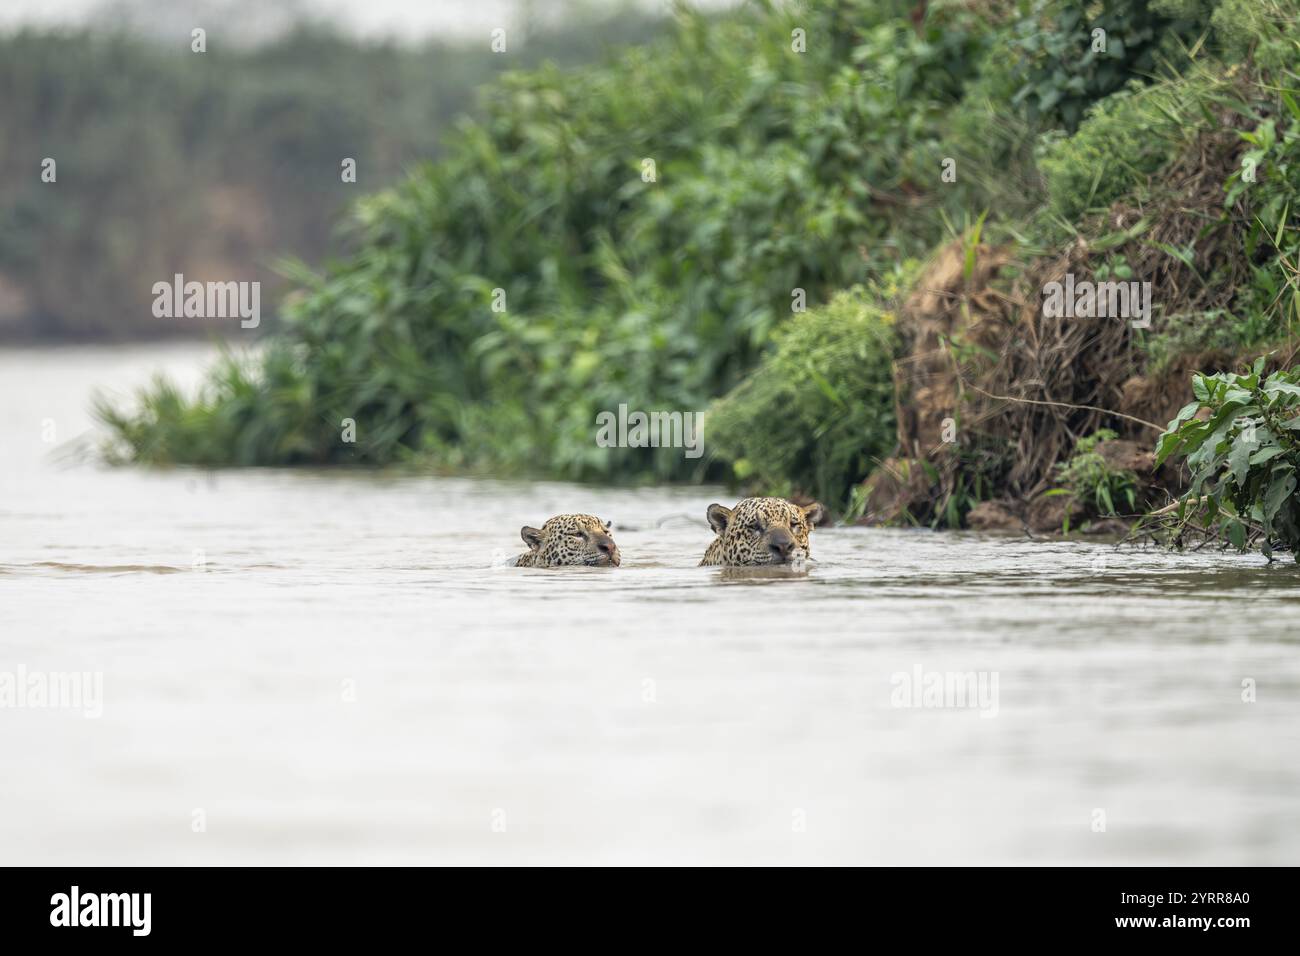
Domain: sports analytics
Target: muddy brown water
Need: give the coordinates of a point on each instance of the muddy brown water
(315, 667)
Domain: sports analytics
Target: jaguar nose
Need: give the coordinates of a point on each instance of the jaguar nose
(608, 549)
(781, 545)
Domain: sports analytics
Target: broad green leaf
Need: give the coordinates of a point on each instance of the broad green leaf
(1274, 388)
(1264, 454)
(1278, 491)
(1239, 459)
(1189, 436)
(1184, 413)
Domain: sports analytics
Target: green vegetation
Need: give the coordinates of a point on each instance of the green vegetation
(1093, 482)
(638, 232)
(784, 436)
(1241, 439)
(1121, 151)
(1072, 55)
(1123, 142)
(772, 171)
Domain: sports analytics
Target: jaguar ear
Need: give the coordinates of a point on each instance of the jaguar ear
(532, 537)
(718, 517)
(813, 513)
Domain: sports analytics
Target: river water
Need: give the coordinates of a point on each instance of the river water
(312, 667)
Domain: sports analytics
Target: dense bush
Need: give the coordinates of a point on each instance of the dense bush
(817, 415)
(634, 234)
(1125, 139)
(774, 171)
(1242, 245)
(1072, 53)
(1255, 282)
(1261, 29)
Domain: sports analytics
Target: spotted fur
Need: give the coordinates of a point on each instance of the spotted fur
(760, 531)
(568, 541)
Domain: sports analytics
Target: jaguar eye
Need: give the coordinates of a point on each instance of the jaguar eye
(756, 527)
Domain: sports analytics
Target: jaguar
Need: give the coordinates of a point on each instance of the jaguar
(760, 531)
